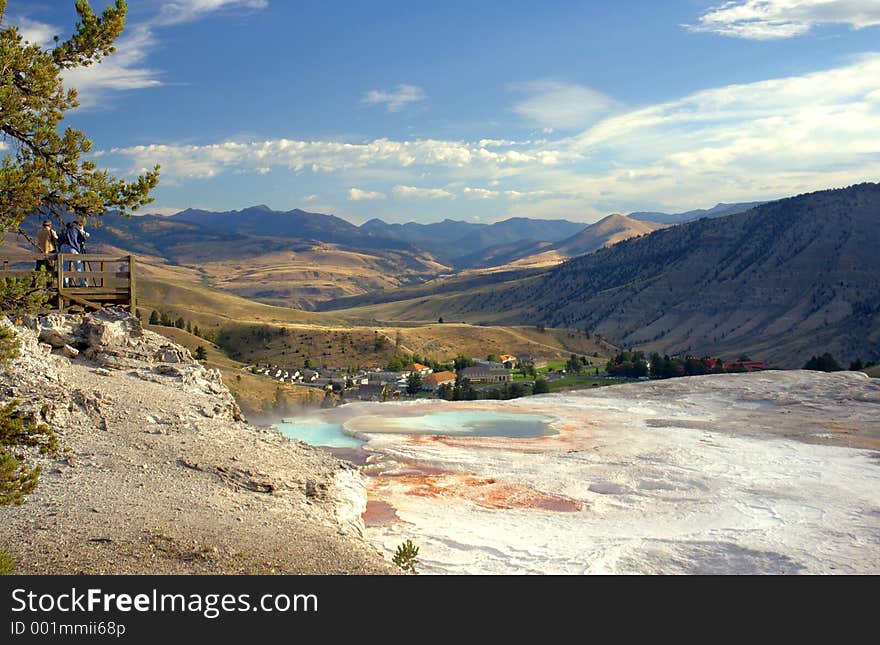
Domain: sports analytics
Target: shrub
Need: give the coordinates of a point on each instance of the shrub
(7, 564)
(406, 557)
(541, 386)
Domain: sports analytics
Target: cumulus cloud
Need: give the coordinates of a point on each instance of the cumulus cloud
(413, 192)
(358, 195)
(486, 193)
(397, 99)
(738, 142)
(556, 105)
(776, 19)
(205, 161)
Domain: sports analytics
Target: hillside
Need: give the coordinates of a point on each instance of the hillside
(376, 346)
(289, 259)
(607, 231)
(780, 282)
(257, 396)
(254, 332)
(160, 474)
(719, 210)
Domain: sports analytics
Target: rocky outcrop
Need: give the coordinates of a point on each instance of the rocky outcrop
(160, 473)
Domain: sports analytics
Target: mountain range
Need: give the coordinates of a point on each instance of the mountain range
(780, 281)
(299, 259)
(719, 210)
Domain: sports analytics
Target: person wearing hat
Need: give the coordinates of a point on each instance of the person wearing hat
(47, 243)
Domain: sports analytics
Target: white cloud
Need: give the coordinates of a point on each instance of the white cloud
(557, 105)
(126, 68)
(180, 11)
(413, 192)
(34, 32)
(775, 19)
(358, 195)
(485, 193)
(396, 99)
(758, 140)
(481, 193)
(123, 70)
(739, 142)
(204, 161)
(310, 198)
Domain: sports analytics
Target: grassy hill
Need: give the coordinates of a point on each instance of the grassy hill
(253, 332)
(606, 232)
(276, 261)
(258, 396)
(781, 282)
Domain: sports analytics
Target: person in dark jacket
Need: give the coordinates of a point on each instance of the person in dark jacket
(72, 240)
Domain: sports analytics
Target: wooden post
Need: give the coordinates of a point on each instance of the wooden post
(59, 271)
(131, 285)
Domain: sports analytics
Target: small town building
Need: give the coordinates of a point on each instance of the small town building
(508, 361)
(491, 373)
(418, 368)
(432, 382)
(375, 392)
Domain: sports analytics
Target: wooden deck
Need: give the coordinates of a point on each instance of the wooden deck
(102, 281)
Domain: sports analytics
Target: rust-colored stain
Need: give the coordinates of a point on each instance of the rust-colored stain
(379, 513)
(839, 427)
(483, 491)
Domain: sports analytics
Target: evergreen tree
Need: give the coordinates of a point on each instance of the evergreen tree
(413, 383)
(541, 386)
(201, 353)
(42, 171)
(824, 363)
(154, 318)
(180, 323)
(462, 361)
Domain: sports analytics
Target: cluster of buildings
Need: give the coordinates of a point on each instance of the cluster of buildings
(377, 384)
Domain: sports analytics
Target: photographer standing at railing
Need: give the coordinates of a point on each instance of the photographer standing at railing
(72, 240)
(47, 243)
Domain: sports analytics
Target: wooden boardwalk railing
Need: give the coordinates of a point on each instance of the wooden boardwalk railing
(83, 281)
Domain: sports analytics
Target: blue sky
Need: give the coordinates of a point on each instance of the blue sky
(481, 110)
